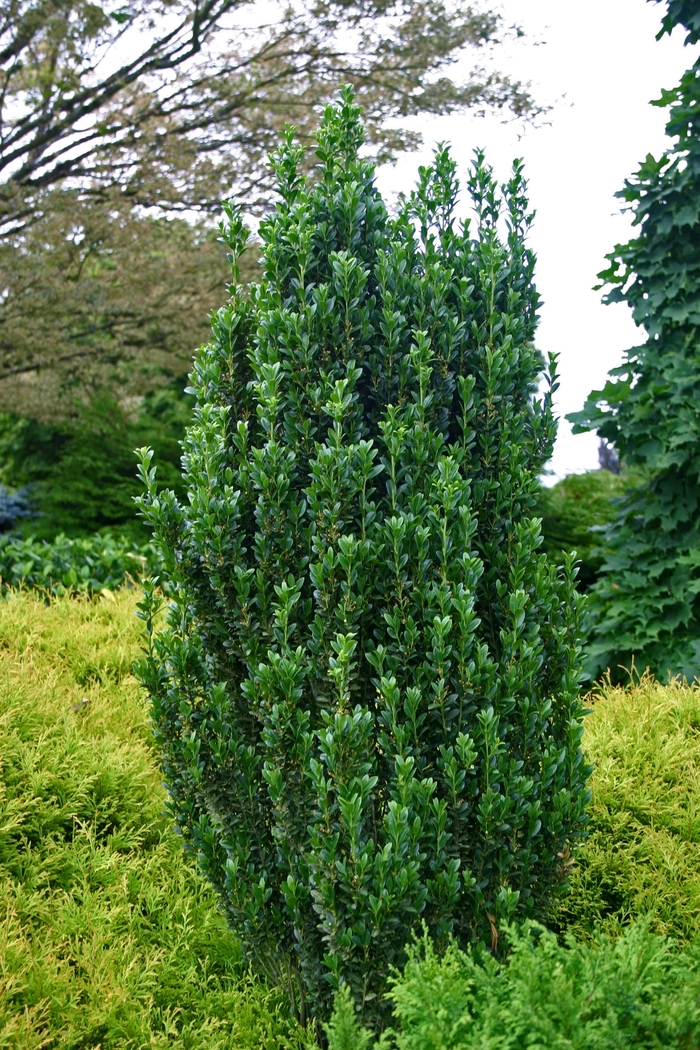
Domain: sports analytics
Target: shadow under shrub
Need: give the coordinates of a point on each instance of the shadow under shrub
(366, 697)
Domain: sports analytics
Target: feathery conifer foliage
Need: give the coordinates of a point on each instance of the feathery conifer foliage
(636, 993)
(647, 602)
(367, 693)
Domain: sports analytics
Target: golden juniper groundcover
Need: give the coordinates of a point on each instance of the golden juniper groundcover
(642, 856)
(109, 937)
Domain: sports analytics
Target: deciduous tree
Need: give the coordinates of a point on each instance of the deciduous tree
(647, 604)
(114, 114)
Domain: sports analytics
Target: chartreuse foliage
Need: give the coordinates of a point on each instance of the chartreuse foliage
(367, 694)
(647, 603)
(642, 853)
(109, 936)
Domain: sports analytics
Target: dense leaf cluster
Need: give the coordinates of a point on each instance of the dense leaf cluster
(634, 994)
(573, 512)
(647, 604)
(641, 856)
(77, 476)
(367, 693)
(66, 564)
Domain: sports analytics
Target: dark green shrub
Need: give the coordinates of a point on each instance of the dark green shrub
(367, 694)
(79, 474)
(66, 564)
(632, 993)
(572, 512)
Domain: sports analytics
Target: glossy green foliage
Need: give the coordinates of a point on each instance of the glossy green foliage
(65, 564)
(647, 604)
(632, 994)
(573, 512)
(367, 694)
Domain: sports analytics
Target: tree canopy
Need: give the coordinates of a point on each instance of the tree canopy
(178, 103)
(115, 118)
(647, 603)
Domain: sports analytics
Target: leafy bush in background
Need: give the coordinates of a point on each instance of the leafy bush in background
(89, 564)
(572, 513)
(367, 694)
(79, 476)
(633, 993)
(646, 605)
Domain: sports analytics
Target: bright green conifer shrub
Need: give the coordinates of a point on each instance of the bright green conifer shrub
(641, 856)
(109, 936)
(635, 993)
(367, 693)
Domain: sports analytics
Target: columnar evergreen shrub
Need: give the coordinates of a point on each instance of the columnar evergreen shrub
(367, 693)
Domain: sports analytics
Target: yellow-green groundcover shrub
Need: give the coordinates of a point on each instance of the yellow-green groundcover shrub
(642, 856)
(110, 938)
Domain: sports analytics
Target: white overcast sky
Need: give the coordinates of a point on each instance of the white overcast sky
(599, 67)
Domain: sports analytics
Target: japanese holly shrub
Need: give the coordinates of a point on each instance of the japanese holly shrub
(366, 696)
